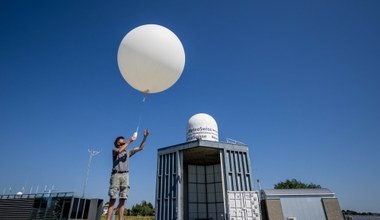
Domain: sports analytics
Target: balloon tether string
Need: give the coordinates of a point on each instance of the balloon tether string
(142, 109)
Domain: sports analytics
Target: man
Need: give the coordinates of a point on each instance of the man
(119, 181)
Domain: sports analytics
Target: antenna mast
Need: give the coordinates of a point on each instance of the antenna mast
(92, 153)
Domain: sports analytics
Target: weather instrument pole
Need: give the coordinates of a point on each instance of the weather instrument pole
(92, 153)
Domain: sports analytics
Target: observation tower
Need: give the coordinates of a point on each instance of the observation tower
(204, 178)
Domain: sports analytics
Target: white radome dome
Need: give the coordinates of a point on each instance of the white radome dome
(202, 126)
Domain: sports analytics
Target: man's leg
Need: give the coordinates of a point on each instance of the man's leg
(121, 208)
(124, 189)
(112, 192)
(111, 206)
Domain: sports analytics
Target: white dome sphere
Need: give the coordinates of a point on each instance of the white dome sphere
(202, 126)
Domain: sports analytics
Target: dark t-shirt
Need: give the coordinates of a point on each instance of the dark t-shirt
(120, 161)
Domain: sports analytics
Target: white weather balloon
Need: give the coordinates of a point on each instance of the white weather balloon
(151, 58)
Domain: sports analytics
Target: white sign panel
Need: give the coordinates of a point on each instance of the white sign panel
(243, 205)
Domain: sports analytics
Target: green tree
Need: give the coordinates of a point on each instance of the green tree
(295, 184)
(142, 209)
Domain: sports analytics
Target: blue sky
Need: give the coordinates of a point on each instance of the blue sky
(298, 81)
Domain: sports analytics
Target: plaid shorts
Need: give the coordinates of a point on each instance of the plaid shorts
(119, 185)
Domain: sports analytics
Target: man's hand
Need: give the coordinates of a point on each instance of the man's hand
(133, 138)
(146, 133)
(139, 148)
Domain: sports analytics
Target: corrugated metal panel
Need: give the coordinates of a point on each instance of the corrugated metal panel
(50, 206)
(303, 208)
(167, 187)
(271, 193)
(16, 208)
(238, 171)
